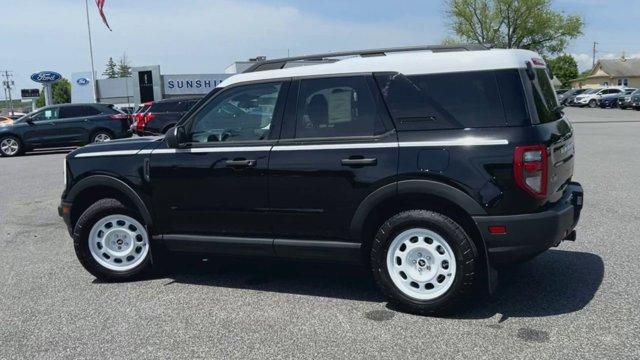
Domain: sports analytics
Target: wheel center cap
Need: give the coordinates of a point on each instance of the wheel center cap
(119, 242)
(422, 263)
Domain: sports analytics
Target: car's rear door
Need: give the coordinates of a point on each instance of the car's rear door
(337, 146)
(73, 125)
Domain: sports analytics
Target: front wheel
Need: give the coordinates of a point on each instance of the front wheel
(423, 261)
(111, 242)
(10, 146)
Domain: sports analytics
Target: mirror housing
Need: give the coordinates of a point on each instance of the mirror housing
(176, 137)
(29, 121)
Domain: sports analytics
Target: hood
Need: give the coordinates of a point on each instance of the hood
(130, 146)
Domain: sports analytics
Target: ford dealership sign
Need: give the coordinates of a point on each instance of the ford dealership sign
(44, 77)
(82, 81)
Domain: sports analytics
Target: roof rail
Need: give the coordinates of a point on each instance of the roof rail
(273, 64)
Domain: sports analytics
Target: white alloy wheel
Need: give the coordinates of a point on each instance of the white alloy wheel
(421, 264)
(9, 146)
(118, 242)
(101, 137)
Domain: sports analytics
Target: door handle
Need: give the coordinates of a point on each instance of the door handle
(359, 162)
(241, 163)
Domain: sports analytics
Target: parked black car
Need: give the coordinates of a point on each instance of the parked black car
(63, 125)
(566, 98)
(635, 100)
(161, 115)
(357, 160)
(625, 101)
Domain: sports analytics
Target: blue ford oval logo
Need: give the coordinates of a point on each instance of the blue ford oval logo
(82, 81)
(46, 77)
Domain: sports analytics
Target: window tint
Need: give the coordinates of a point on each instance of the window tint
(77, 111)
(544, 98)
(239, 114)
(455, 100)
(336, 107)
(165, 106)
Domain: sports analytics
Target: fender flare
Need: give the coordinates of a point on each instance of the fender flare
(426, 187)
(116, 184)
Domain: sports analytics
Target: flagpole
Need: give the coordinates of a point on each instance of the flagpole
(93, 71)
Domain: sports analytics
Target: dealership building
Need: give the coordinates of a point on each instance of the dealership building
(148, 83)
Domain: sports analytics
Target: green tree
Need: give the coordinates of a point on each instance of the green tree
(565, 68)
(524, 24)
(124, 69)
(110, 71)
(60, 92)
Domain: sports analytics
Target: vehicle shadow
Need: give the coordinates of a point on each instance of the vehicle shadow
(336, 280)
(556, 282)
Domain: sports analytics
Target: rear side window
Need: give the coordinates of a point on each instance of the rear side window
(77, 111)
(455, 100)
(336, 107)
(165, 106)
(545, 98)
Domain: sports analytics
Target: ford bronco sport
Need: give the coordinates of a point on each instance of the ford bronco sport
(431, 165)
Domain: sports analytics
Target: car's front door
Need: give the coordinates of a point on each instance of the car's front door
(217, 184)
(338, 146)
(41, 128)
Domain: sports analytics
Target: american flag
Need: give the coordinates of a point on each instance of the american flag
(100, 4)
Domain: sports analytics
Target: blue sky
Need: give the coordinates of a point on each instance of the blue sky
(204, 36)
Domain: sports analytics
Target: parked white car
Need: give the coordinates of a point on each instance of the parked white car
(593, 97)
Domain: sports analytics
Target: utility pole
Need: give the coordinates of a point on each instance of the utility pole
(7, 84)
(594, 55)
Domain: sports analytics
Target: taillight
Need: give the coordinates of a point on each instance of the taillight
(119, 117)
(144, 119)
(530, 166)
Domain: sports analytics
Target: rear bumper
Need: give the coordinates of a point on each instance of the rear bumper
(530, 234)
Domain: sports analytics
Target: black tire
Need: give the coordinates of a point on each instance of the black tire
(466, 256)
(20, 150)
(593, 104)
(94, 135)
(89, 217)
(167, 128)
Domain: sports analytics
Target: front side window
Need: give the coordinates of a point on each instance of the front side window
(243, 113)
(46, 114)
(336, 107)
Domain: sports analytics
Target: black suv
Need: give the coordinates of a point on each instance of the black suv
(161, 116)
(63, 125)
(368, 159)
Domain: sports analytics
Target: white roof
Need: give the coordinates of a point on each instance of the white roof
(408, 63)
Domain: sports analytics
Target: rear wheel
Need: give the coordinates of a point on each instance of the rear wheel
(593, 103)
(423, 261)
(10, 146)
(101, 136)
(111, 241)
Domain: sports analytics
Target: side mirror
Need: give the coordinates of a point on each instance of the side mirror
(29, 121)
(176, 137)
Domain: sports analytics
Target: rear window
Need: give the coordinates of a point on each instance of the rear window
(165, 106)
(545, 98)
(455, 100)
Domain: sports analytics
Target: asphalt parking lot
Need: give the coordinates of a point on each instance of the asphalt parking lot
(579, 300)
